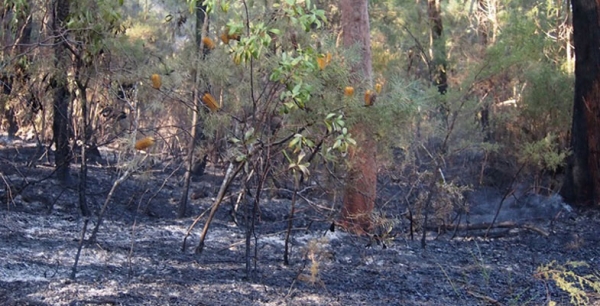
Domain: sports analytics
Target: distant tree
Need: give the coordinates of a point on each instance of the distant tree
(200, 31)
(438, 48)
(582, 183)
(62, 96)
(361, 186)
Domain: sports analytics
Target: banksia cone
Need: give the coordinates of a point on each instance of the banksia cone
(324, 60)
(370, 97)
(225, 38)
(208, 43)
(156, 82)
(144, 143)
(349, 91)
(210, 101)
(378, 87)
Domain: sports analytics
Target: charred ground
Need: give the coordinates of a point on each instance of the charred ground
(138, 259)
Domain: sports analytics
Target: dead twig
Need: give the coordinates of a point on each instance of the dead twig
(508, 192)
(229, 176)
(116, 184)
(484, 297)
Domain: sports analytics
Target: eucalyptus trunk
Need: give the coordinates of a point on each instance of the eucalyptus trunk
(582, 182)
(361, 185)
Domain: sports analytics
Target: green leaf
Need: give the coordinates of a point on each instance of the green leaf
(225, 7)
(249, 133)
(240, 158)
(295, 140)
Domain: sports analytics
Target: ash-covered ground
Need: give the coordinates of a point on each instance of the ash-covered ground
(138, 257)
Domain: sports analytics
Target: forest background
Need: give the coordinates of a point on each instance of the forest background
(462, 95)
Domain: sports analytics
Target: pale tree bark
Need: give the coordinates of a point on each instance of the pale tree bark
(361, 185)
(582, 182)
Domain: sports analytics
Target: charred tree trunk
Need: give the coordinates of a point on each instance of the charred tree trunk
(582, 183)
(361, 185)
(62, 97)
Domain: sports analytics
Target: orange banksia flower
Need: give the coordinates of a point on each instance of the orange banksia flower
(349, 91)
(378, 88)
(324, 60)
(156, 81)
(144, 143)
(210, 101)
(225, 38)
(370, 97)
(208, 43)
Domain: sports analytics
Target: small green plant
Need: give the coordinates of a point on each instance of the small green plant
(567, 279)
(544, 154)
(454, 287)
(485, 270)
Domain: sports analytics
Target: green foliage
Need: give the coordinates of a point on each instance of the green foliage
(19, 10)
(544, 154)
(566, 278)
(94, 21)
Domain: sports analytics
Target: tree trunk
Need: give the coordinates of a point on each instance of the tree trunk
(62, 97)
(361, 185)
(582, 182)
(201, 27)
(483, 31)
(438, 46)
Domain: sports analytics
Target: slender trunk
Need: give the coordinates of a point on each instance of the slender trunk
(438, 46)
(483, 30)
(62, 97)
(201, 27)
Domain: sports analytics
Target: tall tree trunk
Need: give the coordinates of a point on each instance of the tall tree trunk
(62, 97)
(361, 185)
(582, 183)
(201, 28)
(483, 30)
(438, 46)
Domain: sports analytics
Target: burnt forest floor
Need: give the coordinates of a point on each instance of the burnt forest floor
(138, 257)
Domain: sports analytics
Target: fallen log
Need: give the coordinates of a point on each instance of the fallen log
(487, 225)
